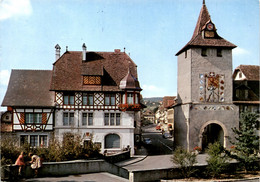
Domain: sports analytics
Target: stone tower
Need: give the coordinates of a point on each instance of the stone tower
(205, 112)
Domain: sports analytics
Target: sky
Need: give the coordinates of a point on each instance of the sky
(151, 31)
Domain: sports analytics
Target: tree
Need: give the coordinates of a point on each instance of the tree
(217, 160)
(247, 142)
(185, 160)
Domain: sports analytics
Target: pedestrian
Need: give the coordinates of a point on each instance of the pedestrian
(20, 162)
(36, 163)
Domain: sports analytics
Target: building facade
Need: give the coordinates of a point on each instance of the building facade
(246, 92)
(246, 88)
(205, 112)
(165, 113)
(30, 106)
(93, 94)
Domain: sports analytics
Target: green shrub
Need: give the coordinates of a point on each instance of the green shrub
(53, 152)
(9, 149)
(217, 160)
(70, 149)
(246, 146)
(185, 160)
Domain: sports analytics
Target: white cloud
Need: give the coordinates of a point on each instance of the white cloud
(240, 51)
(4, 77)
(152, 91)
(13, 8)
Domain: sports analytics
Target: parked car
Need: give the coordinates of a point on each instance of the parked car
(158, 127)
(167, 135)
(147, 141)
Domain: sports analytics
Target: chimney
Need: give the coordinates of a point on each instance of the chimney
(117, 50)
(84, 49)
(57, 47)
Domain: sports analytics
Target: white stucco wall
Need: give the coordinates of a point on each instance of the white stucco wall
(98, 130)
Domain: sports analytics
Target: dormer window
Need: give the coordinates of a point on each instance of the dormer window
(91, 80)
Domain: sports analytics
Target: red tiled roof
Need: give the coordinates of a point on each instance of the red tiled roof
(168, 101)
(197, 39)
(112, 66)
(29, 88)
(251, 72)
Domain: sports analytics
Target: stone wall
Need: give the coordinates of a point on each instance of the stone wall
(118, 157)
(65, 168)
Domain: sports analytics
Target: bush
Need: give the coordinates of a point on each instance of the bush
(54, 151)
(9, 149)
(217, 160)
(70, 149)
(185, 160)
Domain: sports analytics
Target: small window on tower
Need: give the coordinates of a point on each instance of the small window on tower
(203, 52)
(219, 52)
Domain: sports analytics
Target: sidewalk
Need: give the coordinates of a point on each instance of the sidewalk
(94, 177)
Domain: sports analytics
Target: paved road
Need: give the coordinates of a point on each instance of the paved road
(161, 162)
(160, 145)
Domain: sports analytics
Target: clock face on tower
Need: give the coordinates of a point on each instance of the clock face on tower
(210, 26)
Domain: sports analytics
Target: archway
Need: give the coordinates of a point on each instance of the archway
(211, 132)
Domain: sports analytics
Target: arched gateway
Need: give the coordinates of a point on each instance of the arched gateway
(211, 132)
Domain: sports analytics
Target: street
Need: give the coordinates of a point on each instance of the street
(159, 145)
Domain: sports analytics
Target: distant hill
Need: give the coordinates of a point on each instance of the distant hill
(153, 99)
(152, 103)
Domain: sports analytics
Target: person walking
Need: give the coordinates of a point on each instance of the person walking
(20, 162)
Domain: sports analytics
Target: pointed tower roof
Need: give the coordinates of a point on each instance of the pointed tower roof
(199, 39)
(204, 17)
(129, 82)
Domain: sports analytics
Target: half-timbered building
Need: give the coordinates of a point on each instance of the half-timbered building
(97, 95)
(93, 94)
(30, 106)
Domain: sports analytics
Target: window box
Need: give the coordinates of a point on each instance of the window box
(129, 107)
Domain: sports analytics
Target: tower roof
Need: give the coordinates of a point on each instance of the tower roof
(129, 82)
(199, 40)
